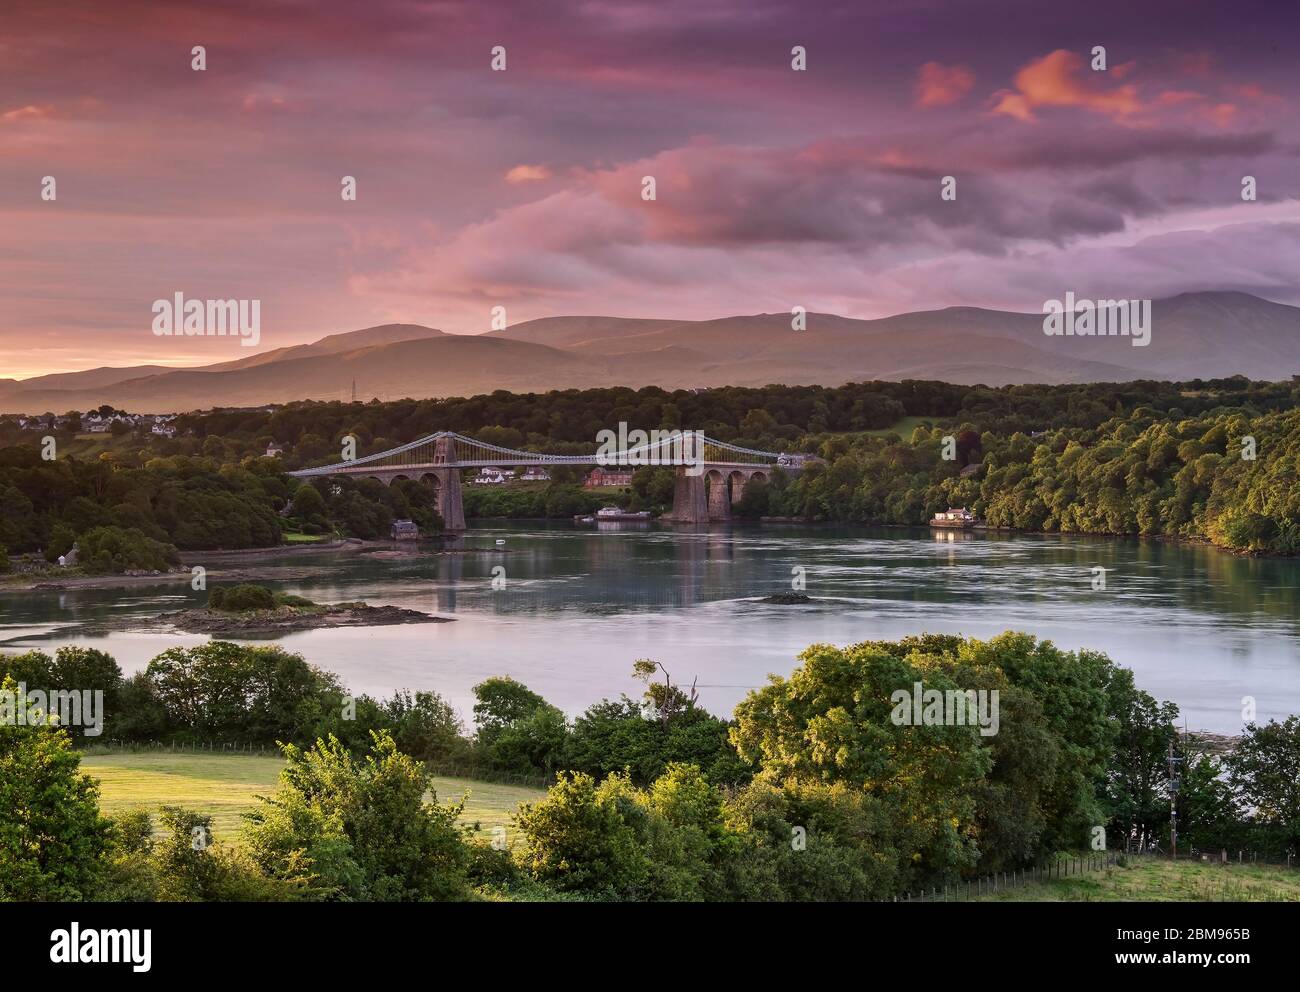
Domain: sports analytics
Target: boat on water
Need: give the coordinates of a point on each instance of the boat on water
(955, 517)
(608, 514)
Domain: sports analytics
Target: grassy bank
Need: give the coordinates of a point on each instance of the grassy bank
(1158, 880)
(224, 786)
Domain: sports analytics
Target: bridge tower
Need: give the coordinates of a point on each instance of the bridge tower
(450, 506)
(690, 502)
(719, 504)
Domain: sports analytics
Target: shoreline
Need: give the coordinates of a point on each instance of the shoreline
(232, 558)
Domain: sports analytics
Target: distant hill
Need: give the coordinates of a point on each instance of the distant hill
(1194, 335)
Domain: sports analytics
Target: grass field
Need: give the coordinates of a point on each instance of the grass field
(223, 786)
(904, 427)
(1157, 880)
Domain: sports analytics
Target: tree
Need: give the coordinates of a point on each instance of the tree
(359, 829)
(615, 735)
(112, 549)
(51, 833)
(226, 691)
(577, 838)
(536, 743)
(308, 503)
(831, 722)
(1264, 773)
(1136, 791)
(62, 538)
(426, 726)
(502, 701)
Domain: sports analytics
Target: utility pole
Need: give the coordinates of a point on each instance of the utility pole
(354, 390)
(1175, 781)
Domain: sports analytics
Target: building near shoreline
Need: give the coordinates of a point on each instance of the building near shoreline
(600, 477)
(405, 530)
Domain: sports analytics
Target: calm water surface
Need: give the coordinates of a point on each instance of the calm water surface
(1197, 626)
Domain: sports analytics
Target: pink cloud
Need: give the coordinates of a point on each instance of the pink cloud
(27, 113)
(1057, 80)
(938, 85)
(528, 174)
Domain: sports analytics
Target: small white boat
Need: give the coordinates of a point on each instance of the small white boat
(606, 513)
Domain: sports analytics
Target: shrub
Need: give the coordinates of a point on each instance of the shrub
(113, 550)
(578, 840)
(355, 829)
(236, 599)
(288, 599)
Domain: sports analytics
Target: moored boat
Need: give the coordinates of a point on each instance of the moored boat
(958, 517)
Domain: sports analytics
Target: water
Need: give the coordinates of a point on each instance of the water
(1197, 626)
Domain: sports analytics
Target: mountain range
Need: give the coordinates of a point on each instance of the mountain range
(1194, 335)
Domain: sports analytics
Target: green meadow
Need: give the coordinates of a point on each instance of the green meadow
(225, 787)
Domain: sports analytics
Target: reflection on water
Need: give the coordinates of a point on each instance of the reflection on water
(579, 604)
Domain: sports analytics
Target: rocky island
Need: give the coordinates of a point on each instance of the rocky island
(250, 609)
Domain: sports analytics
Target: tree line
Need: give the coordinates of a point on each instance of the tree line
(1226, 477)
(812, 790)
(1212, 460)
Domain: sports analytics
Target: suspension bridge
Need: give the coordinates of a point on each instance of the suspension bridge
(711, 475)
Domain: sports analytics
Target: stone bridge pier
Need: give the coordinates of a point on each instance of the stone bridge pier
(442, 474)
(708, 497)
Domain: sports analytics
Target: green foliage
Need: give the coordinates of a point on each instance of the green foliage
(288, 599)
(72, 669)
(1208, 817)
(537, 742)
(426, 726)
(51, 833)
(224, 691)
(679, 839)
(614, 736)
(831, 722)
(519, 731)
(112, 550)
(500, 701)
(62, 539)
(188, 865)
(811, 842)
(235, 599)
(1136, 793)
(174, 500)
(558, 500)
(579, 837)
(352, 829)
(308, 504)
(1264, 773)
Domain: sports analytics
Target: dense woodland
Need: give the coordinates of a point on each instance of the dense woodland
(1213, 460)
(811, 791)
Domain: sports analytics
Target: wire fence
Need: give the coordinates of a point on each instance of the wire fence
(181, 747)
(1238, 857)
(478, 773)
(977, 888)
(1075, 866)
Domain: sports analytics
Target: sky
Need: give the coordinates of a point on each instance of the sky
(523, 188)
